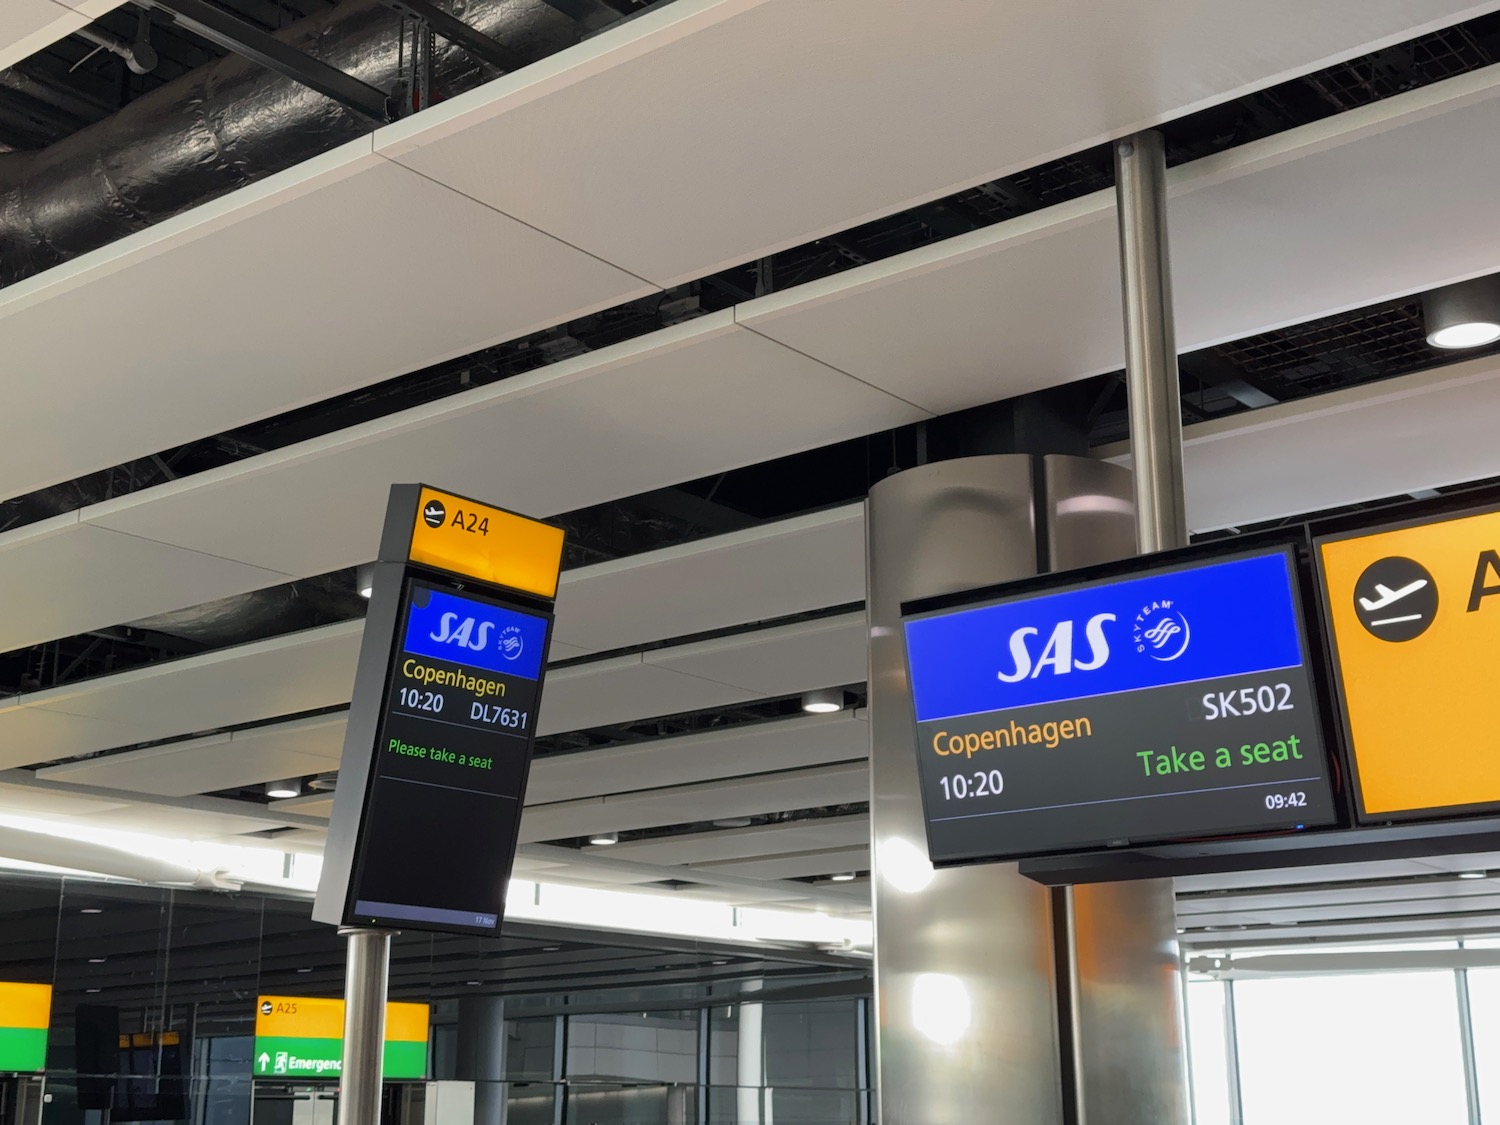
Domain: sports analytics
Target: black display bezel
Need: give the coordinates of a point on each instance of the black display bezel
(499, 597)
(1293, 546)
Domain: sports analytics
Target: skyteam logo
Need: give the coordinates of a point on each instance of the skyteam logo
(1162, 631)
(511, 643)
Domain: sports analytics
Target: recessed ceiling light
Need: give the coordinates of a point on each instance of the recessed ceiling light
(550, 948)
(97, 960)
(604, 839)
(472, 983)
(1466, 315)
(304, 970)
(364, 580)
(824, 701)
(91, 910)
(280, 790)
(93, 990)
(844, 877)
(1473, 874)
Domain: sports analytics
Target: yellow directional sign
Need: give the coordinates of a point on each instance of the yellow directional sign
(25, 1010)
(303, 1036)
(473, 539)
(1415, 614)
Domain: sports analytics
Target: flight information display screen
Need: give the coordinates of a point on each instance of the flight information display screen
(443, 806)
(1170, 704)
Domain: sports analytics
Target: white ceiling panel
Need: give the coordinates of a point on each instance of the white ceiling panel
(622, 689)
(27, 800)
(29, 734)
(248, 683)
(311, 256)
(746, 796)
(93, 578)
(826, 652)
(1401, 435)
(1266, 234)
(610, 424)
(775, 570)
(29, 26)
(739, 751)
(741, 843)
(219, 762)
(847, 131)
(797, 866)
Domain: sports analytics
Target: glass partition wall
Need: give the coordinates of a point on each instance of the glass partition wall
(155, 994)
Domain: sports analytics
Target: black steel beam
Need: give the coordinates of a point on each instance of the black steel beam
(478, 44)
(248, 41)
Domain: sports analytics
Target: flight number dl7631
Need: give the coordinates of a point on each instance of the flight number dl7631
(1260, 700)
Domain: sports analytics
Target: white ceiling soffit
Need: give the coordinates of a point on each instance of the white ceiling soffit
(99, 577)
(280, 294)
(219, 762)
(315, 669)
(248, 683)
(798, 865)
(846, 131)
(738, 751)
(760, 664)
(1385, 439)
(677, 405)
(747, 796)
(29, 26)
(1272, 233)
(743, 843)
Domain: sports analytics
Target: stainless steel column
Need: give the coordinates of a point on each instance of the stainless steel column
(1150, 342)
(970, 962)
(966, 1018)
(481, 1055)
(366, 974)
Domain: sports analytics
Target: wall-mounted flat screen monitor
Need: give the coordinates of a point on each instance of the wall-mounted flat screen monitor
(1160, 703)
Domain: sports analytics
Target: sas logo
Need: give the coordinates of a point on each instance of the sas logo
(511, 643)
(470, 634)
(1057, 654)
(1161, 631)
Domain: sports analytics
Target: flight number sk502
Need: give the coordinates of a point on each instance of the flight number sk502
(1260, 700)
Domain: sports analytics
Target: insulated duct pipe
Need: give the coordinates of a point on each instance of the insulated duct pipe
(228, 124)
(99, 859)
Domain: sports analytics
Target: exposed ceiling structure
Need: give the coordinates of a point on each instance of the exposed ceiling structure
(694, 314)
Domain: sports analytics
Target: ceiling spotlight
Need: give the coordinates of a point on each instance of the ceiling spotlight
(279, 790)
(91, 910)
(1466, 315)
(1473, 874)
(473, 983)
(364, 580)
(844, 877)
(824, 701)
(324, 783)
(604, 839)
(97, 960)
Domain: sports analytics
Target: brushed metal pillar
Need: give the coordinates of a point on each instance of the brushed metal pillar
(481, 1055)
(1124, 969)
(1155, 400)
(366, 976)
(966, 959)
(966, 1019)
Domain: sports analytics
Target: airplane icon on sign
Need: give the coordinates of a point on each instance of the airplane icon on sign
(1390, 597)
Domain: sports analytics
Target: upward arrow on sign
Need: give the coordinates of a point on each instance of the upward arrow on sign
(265, 1060)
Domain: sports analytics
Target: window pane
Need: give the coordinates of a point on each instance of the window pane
(1484, 1011)
(1378, 1049)
(1208, 1052)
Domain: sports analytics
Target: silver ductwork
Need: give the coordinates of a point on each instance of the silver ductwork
(228, 124)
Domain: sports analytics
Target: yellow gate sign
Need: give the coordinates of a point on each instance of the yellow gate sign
(1415, 617)
(303, 1037)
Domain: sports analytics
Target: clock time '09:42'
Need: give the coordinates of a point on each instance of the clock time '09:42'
(985, 783)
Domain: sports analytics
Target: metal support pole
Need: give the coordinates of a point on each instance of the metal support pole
(366, 978)
(1150, 343)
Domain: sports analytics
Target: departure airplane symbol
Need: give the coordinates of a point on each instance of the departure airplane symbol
(1389, 597)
